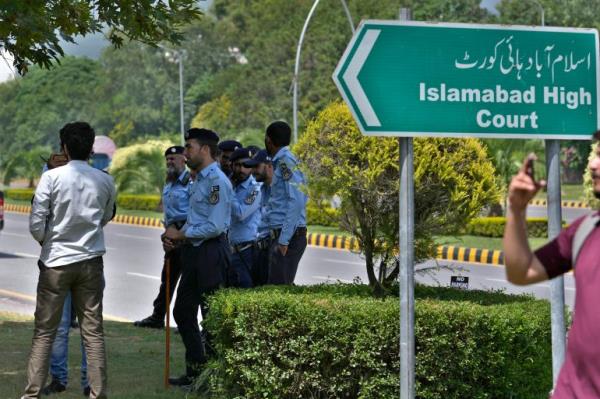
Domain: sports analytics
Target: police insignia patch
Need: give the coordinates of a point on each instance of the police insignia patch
(286, 172)
(250, 199)
(213, 198)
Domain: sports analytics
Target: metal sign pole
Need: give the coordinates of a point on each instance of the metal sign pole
(406, 254)
(557, 285)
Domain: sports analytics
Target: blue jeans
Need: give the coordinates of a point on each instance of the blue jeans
(60, 349)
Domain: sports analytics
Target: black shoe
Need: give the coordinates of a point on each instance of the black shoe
(87, 391)
(54, 387)
(150, 322)
(183, 381)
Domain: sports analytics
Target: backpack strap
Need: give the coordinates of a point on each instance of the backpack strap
(583, 231)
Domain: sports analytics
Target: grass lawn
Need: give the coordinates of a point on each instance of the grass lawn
(482, 242)
(135, 360)
(568, 192)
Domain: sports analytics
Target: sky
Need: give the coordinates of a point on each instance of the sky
(91, 45)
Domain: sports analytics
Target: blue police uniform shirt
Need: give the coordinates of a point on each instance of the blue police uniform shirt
(176, 201)
(210, 205)
(263, 226)
(245, 211)
(286, 209)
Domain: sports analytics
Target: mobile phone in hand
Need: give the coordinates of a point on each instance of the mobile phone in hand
(529, 166)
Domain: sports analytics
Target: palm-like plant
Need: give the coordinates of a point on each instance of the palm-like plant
(25, 164)
(140, 168)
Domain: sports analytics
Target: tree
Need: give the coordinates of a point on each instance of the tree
(34, 108)
(453, 181)
(140, 168)
(25, 164)
(588, 190)
(30, 31)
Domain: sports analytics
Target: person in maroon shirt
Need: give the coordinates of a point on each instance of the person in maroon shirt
(580, 374)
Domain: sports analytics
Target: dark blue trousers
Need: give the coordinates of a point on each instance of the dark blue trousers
(282, 269)
(204, 271)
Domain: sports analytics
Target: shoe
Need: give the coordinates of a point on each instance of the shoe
(183, 381)
(87, 391)
(150, 322)
(54, 387)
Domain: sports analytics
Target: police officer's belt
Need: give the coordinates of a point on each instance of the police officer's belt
(263, 243)
(300, 231)
(236, 248)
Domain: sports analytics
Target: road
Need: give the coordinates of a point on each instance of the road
(134, 256)
(568, 214)
(132, 267)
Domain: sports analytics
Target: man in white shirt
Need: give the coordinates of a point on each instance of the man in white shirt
(72, 203)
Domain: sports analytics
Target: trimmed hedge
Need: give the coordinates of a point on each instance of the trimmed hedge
(323, 216)
(494, 227)
(19, 194)
(337, 341)
(139, 202)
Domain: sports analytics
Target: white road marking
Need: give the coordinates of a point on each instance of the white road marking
(144, 276)
(329, 278)
(26, 255)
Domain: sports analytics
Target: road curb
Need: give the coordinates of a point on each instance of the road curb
(564, 204)
(444, 252)
(120, 219)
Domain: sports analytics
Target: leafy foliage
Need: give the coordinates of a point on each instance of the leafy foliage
(336, 341)
(453, 181)
(494, 227)
(140, 168)
(26, 164)
(30, 31)
(590, 198)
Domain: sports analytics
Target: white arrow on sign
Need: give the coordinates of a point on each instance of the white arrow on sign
(351, 77)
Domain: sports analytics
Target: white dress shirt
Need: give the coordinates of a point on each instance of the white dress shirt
(71, 205)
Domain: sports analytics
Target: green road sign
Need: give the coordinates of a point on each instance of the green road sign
(432, 79)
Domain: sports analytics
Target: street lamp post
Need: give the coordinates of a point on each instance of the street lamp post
(298, 52)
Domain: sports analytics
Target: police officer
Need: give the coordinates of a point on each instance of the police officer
(262, 170)
(286, 209)
(205, 251)
(175, 199)
(226, 148)
(245, 217)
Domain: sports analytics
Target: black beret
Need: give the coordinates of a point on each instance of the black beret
(229, 145)
(253, 150)
(240, 153)
(202, 134)
(176, 149)
(260, 157)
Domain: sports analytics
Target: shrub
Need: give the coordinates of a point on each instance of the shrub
(453, 181)
(139, 202)
(19, 194)
(494, 227)
(337, 341)
(322, 215)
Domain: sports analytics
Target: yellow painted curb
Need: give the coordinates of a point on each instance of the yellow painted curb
(121, 219)
(564, 204)
(460, 254)
(444, 252)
